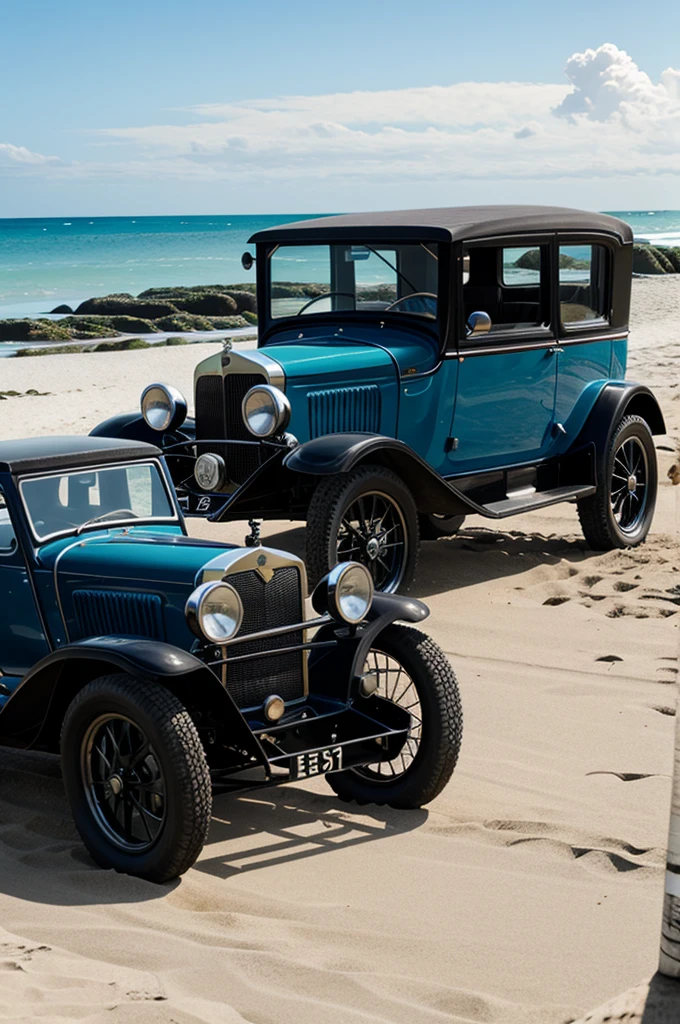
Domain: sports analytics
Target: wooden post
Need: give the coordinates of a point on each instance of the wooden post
(669, 960)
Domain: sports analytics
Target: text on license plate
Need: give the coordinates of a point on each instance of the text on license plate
(317, 762)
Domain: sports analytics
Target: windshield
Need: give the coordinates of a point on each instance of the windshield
(332, 279)
(68, 502)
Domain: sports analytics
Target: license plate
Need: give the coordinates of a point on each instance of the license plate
(317, 762)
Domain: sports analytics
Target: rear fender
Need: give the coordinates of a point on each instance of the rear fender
(616, 400)
(335, 671)
(340, 453)
(33, 715)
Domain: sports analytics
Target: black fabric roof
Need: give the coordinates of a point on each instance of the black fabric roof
(37, 454)
(449, 224)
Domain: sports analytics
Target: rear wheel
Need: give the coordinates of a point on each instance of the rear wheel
(136, 777)
(367, 516)
(433, 525)
(413, 672)
(619, 514)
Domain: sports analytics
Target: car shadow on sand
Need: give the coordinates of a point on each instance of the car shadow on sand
(474, 555)
(43, 860)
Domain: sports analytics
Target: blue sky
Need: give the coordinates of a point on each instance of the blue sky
(171, 107)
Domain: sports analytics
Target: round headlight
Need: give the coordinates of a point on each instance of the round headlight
(210, 472)
(215, 612)
(163, 407)
(266, 411)
(350, 592)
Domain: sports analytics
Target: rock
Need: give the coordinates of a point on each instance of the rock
(250, 318)
(208, 304)
(126, 305)
(33, 330)
(61, 309)
(246, 302)
(645, 260)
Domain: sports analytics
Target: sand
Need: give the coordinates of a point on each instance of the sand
(529, 891)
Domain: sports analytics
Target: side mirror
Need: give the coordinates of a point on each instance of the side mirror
(478, 323)
(247, 261)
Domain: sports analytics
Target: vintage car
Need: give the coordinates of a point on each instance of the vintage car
(157, 664)
(415, 367)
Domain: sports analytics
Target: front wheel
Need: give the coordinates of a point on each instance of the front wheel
(414, 673)
(136, 777)
(619, 514)
(367, 515)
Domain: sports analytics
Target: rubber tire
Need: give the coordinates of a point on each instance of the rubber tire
(333, 495)
(600, 529)
(433, 527)
(176, 742)
(442, 730)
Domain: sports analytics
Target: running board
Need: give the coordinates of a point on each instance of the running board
(529, 499)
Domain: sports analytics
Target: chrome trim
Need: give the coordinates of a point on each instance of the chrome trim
(255, 359)
(74, 471)
(262, 634)
(282, 410)
(176, 402)
(466, 351)
(193, 611)
(334, 579)
(55, 576)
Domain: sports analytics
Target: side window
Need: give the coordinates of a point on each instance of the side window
(8, 541)
(583, 284)
(510, 284)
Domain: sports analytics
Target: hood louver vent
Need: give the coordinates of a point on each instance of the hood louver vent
(106, 612)
(344, 409)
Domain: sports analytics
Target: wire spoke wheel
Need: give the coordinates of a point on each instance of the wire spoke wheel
(373, 531)
(396, 685)
(123, 782)
(629, 485)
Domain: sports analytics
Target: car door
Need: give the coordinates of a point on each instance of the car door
(505, 400)
(22, 639)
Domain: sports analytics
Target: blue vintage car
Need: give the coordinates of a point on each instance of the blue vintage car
(157, 664)
(415, 367)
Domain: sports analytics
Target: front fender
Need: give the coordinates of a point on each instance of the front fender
(33, 715)
(335, 670)
(340, 453)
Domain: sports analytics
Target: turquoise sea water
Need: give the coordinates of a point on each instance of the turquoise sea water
(46, 262)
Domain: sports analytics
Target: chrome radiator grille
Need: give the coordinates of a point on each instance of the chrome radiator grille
(107, 612)
(265, 605)
(218, 414)
(339, 409)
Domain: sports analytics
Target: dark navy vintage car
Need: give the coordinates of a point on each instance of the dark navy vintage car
(428, 364)
(157, 664)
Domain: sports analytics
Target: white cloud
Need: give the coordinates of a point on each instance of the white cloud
(610, 120)
(12, 156)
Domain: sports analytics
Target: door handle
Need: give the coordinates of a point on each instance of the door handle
(554, 350)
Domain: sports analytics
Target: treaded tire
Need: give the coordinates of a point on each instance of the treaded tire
(333, 496)
(178, 749)
(600, 528)
(432, 527)
(442, 729)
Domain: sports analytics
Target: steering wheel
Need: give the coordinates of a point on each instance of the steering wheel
(327, 295)
(416, 295)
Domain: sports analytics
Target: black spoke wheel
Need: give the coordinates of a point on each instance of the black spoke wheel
(620, 513)
(414, 673)
(433, 525)
(367, 516)
(136, 777)
(124, 782)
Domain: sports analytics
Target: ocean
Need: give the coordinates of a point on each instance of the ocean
(46, 262)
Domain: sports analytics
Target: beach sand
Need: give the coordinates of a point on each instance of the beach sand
(529, 891)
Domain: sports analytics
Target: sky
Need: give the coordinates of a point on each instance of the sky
(289, 107)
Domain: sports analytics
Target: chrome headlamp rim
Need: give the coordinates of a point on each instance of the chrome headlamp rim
(335, 579)
(196, 617)
(210, 458)
(176, 407)
(280, 411)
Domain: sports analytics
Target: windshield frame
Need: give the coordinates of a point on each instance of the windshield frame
(435, 326)
(76, 531)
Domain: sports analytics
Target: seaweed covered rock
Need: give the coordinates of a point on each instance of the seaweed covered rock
(126, 305)
(672, 253)
(531, 260)
(208, 304)
(647, 260)
(33, 330)
(184, 322)
(246, 302)
(61, 309)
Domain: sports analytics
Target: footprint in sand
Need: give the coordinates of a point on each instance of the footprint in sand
(663, 710)
(609, 657)
(630, 776)
(554, 601)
